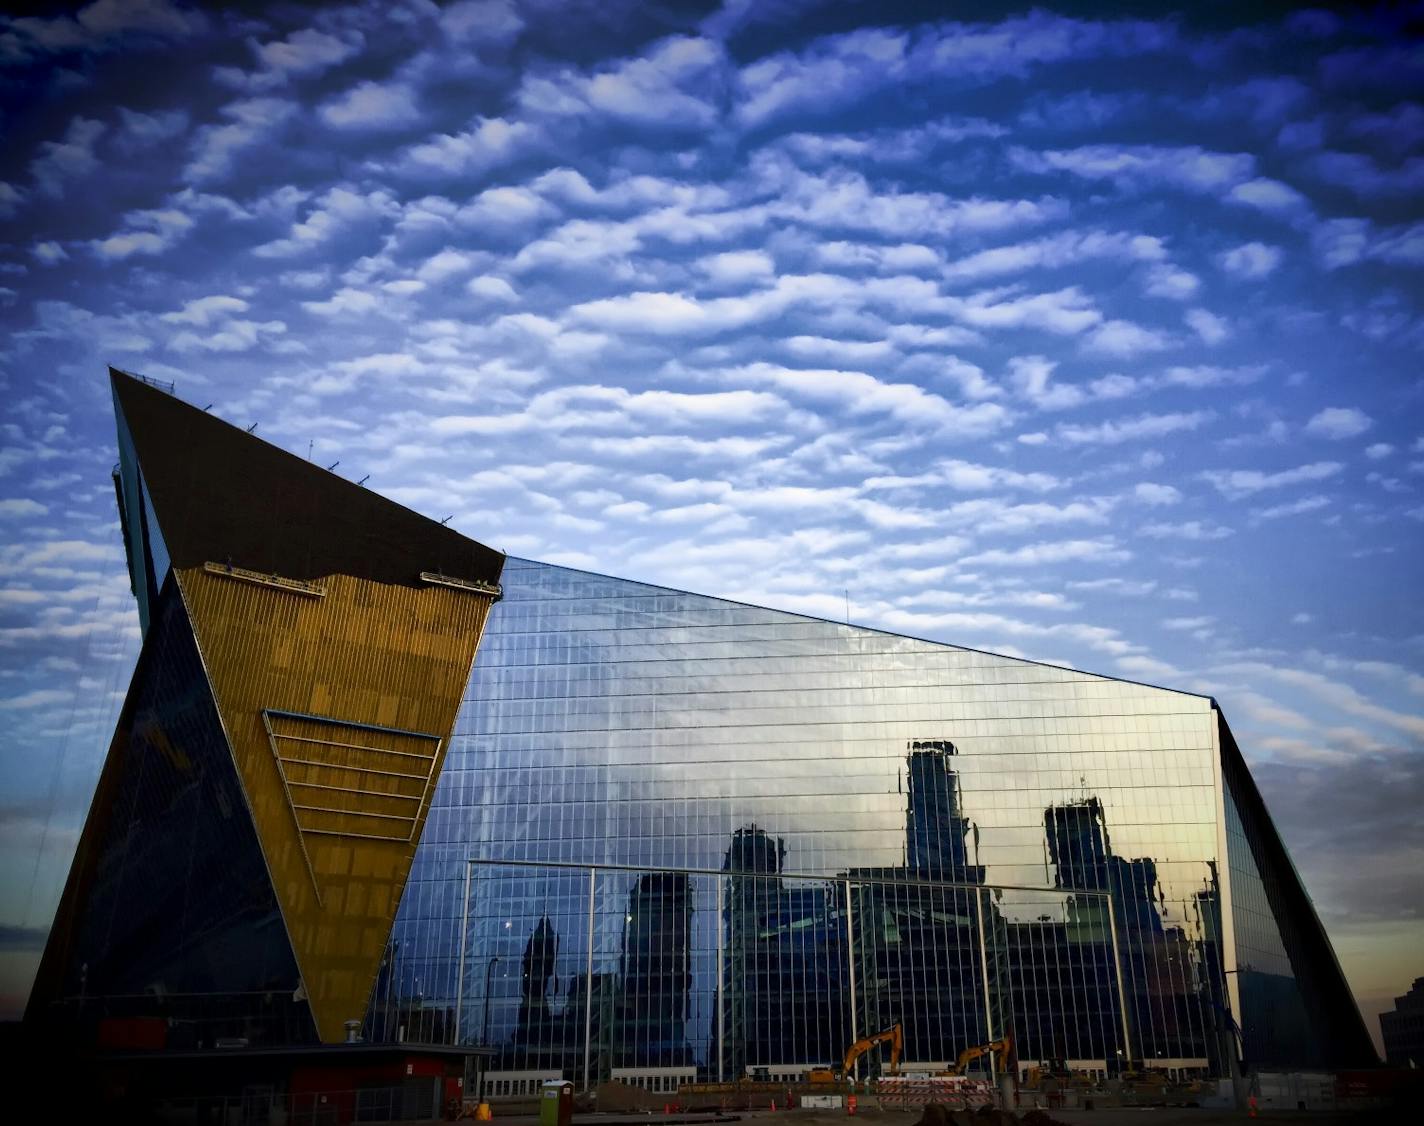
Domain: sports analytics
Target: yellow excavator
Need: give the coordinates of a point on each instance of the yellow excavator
(894, 1036)
(1000, 1049)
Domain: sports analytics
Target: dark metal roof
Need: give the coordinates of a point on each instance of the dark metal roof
(223, 495)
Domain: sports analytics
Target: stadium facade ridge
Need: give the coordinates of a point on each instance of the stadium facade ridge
(375, 780)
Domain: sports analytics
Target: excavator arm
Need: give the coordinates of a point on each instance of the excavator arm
(1000, 1049)
(894, 1036)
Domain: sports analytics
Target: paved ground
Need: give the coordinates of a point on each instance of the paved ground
(1107, 1116)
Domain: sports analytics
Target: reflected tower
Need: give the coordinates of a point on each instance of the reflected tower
(655, 973)
(937, 833)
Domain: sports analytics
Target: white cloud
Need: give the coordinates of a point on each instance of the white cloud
(1250, 260)
(344, 301)
(144, 130)
(48, 253)
(838, 70)
(1123, 340)
(1336, 423)
(21, 506)
(304, 53)
(204, 311)
(1293, 508)
(372, 105)
(1132, 429)
(491, 289)
(1193, 531)
(860, 393)
(144, 232)
(335, 211)
(1055, 251)
(1138, 167)
(1065, 311)
(481, 22)
(1207, 325)
(250, 121)
(1172, 282)
(737, 267)
(1237, 483)
(104, 25)
(1103, 550)
(1148, 492)
(1378, 451)
(72, 158)
(1268, 195)
(488, 143)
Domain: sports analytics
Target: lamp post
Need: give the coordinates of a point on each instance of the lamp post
(489, 969)
(484, 1033)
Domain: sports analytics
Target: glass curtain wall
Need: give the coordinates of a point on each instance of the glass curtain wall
(830, 818)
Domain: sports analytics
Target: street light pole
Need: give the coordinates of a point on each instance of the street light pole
(489, 969)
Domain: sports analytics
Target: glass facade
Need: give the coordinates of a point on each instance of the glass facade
(178, 923)
(710, 839)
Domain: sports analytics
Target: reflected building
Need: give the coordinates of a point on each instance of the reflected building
(607, 826)
(655, 974)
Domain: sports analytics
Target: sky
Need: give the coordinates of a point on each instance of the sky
(1061, 333)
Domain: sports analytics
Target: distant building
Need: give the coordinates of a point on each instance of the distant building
(1403, 1029)
(371, 775)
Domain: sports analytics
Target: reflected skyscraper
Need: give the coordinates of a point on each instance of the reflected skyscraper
(938, 835)
(655, 974)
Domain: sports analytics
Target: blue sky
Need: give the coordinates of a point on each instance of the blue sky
(1063, 334)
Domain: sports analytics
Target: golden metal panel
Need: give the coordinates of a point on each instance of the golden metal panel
(338, 806)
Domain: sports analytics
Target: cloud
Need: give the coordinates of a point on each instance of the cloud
(144, 232)
(1293, 508)
(1237, 483)
(674, 85)
(345, 301)
(337, 210)
(251, 120)
(1378, 451)
(373, 106)
(481, 22)
(487, 144)
(1066, 248)
(1065, 312)
(1112, 433)
(1193, 531)
(1153, 494)
(1103, 550)
(1171, 282)
(1124, 340)
(837, 71)
(305, 52)
(10, 199)
(1207, 325)
(21, 506)
(143, 130)
(860, 394)
(104, 25)
(230, 333)
(48, 253)
(1336, 423)
(72, 158)
(1139, 167)
(1251, 260)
